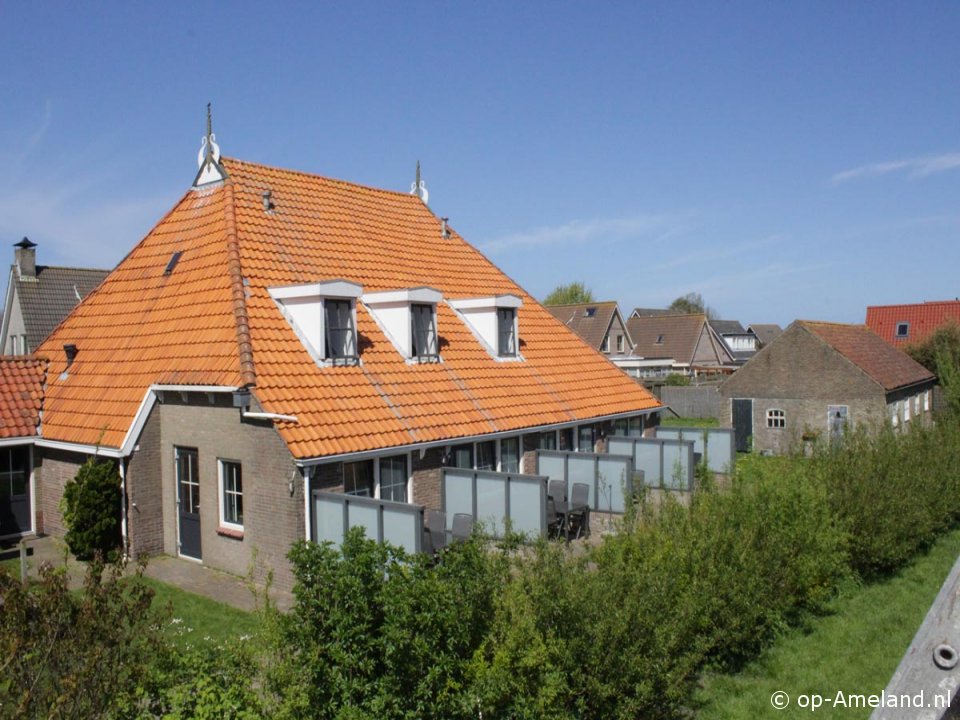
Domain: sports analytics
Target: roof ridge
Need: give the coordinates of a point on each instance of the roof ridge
(68, 267)
(317, 176)
(242, 319)
(831, 322)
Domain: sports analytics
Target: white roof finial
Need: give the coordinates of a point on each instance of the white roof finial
(419, 187)
(208, 159)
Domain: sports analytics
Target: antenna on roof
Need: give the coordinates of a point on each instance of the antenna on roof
(419, 187)
(208, 159)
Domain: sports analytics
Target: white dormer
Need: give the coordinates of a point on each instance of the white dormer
(408, 318)
(493, 321)
(324, 316)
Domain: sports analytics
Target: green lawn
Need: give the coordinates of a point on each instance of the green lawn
(688, 422)
(196, 618)
(855, 649)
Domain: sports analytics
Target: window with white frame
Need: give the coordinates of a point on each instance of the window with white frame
(906, 410)
(916, 405)
(358, 478)
(895, 414)
(393, 478)
(510, 455)
(231, 494)
(507, 332)
(926, 401)
(586, 438)
(903, 330)
(776, 418)
(605, 345)
(423, 319)
(341, 339)
(620, 344)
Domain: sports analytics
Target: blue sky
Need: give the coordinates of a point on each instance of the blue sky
(786, 160)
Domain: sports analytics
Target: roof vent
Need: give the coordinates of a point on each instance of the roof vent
(266, 196)
(70, 350)
(444, 230)
(25, 257)
(174, 259)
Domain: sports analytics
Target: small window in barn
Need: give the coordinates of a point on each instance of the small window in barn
(776, 419)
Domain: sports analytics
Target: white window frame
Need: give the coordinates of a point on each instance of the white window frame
(774, 421)
(304, 307)
(432, 341)
(906, 410)
(620, 343)
(519, 440)
(377, 483)
(926, 401)
(916, 405)
(896, 330)
(895, 414)
(222, 492)
(605, 344)
(345, 359)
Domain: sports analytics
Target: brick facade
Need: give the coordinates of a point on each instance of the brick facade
(145, 511)
(53, 469)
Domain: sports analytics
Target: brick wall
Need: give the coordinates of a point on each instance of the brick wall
(531, 442)
(145, 511)
(52, 470)
(426, 477)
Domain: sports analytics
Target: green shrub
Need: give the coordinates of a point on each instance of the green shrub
(92, 511)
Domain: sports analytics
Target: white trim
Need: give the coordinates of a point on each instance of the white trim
(33, 495)
(124, 528)
(422, 294)
(7, 442)
(376, 474)
(7, 307)
(338, 288)
(98, 450)
(492, 301)
(307, 524)
(269, 416)
(221, 497)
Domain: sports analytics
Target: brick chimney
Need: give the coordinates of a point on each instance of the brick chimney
(25, 256)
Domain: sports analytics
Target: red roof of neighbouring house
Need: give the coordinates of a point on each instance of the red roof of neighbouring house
(922, 320)
(211, 321)
(21, 395)
(888, 366)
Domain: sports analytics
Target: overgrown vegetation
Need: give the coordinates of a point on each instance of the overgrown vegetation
(92, 509)
(623, 629)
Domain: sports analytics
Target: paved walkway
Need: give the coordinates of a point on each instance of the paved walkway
(184, 574)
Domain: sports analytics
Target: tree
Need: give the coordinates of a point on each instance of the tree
(945, 341)
(575, 292)
(692, 303)
(92, 510)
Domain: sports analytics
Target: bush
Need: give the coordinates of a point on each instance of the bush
(92, 511)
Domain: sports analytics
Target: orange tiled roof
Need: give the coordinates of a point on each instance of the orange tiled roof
(211, 321)
(890, 367)
(21, 395)
(923, 320)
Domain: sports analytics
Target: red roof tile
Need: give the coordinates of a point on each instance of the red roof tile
(923, 320)
(890, 367)
(21, 395)
(212, 322)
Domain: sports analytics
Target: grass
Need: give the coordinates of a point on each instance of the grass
(199, 617)
(854, 649)
(689, 422)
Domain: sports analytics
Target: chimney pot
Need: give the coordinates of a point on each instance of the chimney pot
(70, 350)
(25, 257)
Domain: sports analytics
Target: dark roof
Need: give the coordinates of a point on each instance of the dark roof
(888, 366)
(728, 327)
(652, 312)
(766, 333)
(47, 299)
(21, 395)
(588, 320)
(923, 319)
(677, 336)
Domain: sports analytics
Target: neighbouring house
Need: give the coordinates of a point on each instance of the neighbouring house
(21, 396)
(39, 297)
(678, 344)
(906, 324)
(765, 333)
(602, 327)
(278, 334)
(741, 344)
(816, 380)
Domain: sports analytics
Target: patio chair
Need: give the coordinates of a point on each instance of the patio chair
(554, 520)
(462, 526)
(437, 520)
(557, 489)
(578, 515)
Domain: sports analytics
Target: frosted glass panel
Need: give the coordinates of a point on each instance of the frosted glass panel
(646, 457)
(720, 455)
(365, 517)
(668, 433)
(614, 478)
(551, 466)
(491, 503)
(459, 494)
(619, 446)
(400, 528)
(581, 470)
(675, 466)
(329, 516)
(526, 501)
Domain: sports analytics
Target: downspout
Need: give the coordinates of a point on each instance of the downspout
(307, 525)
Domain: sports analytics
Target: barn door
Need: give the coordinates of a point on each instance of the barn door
(742, 424)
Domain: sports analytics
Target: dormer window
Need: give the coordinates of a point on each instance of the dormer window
(324, 316)
(409, 320)
(424, 331)
(493, 321)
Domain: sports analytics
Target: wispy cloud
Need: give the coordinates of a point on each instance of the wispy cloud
(578, 232)
(913, 167)
(721, 253)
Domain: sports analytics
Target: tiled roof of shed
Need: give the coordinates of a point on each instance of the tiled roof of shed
(49, 297)
(923, 319)
(194, 325)
(889, 367)
(21, 395)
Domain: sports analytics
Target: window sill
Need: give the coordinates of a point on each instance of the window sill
(230, 533)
